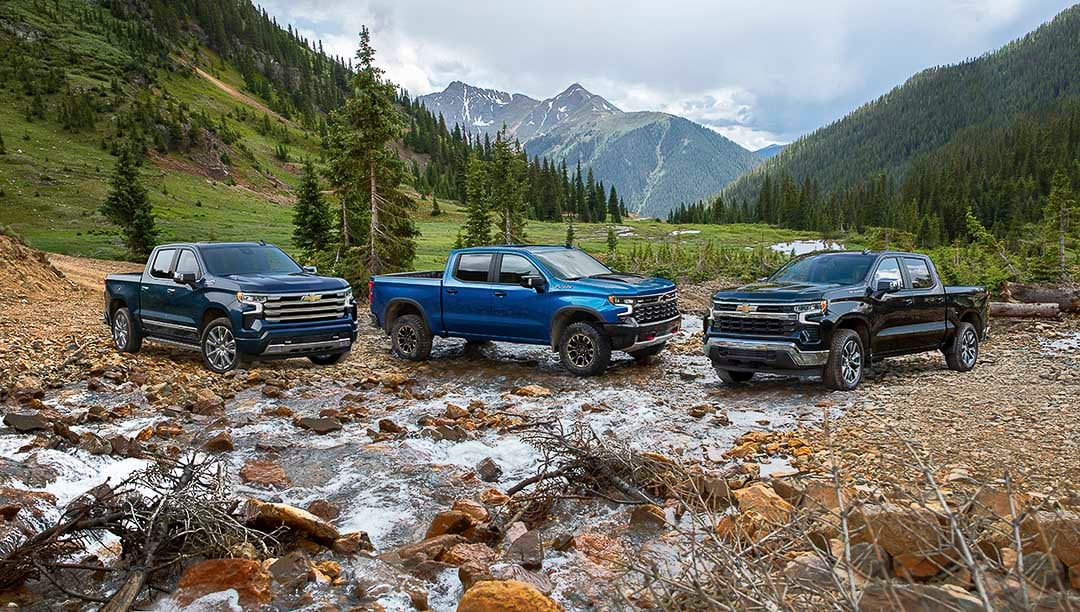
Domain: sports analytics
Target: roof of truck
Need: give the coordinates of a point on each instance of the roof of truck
(213, 244)
(533, 248)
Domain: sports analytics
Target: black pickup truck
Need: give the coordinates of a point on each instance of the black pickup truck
(831, 314)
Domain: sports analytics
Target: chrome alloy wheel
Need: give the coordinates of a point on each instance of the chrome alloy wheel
(406, 339)
(121, 329)
(969, 348)
(220, 347)
(581, 349)
(851, 362)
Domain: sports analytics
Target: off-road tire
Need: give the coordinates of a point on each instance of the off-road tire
(218, 347)
(584, 349)
(733, 377)
(847, 361)
(327, 359)
(645, 356)
(410, 338)
(126, 335)
(963, 353)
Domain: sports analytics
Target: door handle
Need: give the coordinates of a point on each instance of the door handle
(908, 302)
(172, 290)
(500, 294)
(452, 291)
(145, 288)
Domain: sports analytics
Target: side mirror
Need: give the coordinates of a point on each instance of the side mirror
(311, 269)
(184, 278)
(887, 285)
(533, 282)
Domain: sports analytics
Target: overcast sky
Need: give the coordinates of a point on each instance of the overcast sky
(756, 71)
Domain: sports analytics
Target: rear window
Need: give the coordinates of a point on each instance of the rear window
(473, 268)
(919, 273)
(239, 260)
(162, 263)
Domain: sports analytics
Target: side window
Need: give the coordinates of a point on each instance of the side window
(888, 269)
(162, 262)
(188, 263)
(514, 267)
(919, 273)
(473, 267)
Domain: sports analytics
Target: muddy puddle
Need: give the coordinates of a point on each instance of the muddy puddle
(391, 488)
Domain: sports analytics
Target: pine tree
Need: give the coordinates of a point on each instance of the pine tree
(367, 174)
(128, 205)
(460, 242)
(613, 206)
(569, 231)
(612, 241)
(435, 210)
(507, 183)
(477, 210)
(312, 220)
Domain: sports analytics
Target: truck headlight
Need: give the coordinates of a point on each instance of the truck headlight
(247, 298)
(625, 302)
(811, 307)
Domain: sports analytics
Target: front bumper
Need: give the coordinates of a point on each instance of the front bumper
(632, 336)
(751, 355)
(270, 342)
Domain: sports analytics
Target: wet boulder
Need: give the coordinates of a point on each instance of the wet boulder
(763, 501)
(319, 425)
(246, 577)
(505, 596)
(26, 389)
(323, 509)
(293, 570)
(352, 543)
(527, 550)
(532, 391)
(488, 470)
(207, 403)
(449, 522)
(25, 423)
(222, 442)
(265, 474)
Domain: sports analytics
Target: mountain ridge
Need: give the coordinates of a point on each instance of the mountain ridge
(653, 167)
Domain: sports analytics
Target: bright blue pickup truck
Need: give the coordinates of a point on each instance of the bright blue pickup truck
(231, 302)
(550, 295)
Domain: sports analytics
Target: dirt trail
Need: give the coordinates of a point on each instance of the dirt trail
(239, 95)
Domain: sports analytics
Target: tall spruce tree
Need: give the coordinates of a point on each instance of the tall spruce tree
(613, 206)
(367, 174)
(506, 177)
(477, 204)
(128, 205)
(569, 230)
(312, 220)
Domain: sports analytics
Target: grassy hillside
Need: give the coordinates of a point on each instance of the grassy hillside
(228, 183)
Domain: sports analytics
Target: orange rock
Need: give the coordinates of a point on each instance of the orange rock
(248, 578)
(742, 451)
(763, 500)
(532, 391)
(448, 521)
(505, 596)
(460, 554)
(494, 497)
(915, 567)
(265, 474)
(1074, 576)
(273, 516)
(476, 511)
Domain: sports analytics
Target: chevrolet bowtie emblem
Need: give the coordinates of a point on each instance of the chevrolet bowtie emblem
(745, 308)
(314, 297)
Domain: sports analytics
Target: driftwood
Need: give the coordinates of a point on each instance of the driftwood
(1009, 309)
(1067, 297)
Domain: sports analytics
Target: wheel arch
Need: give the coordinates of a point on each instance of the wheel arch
(567, 316)
(212, 312)
(860, 325)
(399, 307)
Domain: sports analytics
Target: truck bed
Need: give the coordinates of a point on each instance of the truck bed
(425, 274)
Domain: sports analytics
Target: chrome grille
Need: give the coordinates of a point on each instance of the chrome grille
(656, 308)
(302, 307)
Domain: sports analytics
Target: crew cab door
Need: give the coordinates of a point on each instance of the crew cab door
(518, 313)
(467, 295)
(889, 310)
(926, 312)
(153, 291)
(183, 302)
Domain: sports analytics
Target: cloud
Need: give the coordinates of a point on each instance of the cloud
(755, 71)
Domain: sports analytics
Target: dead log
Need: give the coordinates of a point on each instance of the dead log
(1009, 309)
(1067, 297)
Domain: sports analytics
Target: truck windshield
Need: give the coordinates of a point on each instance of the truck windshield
(838, 269)
(230, 260)
(571, 265)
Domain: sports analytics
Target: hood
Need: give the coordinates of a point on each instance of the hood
(775, 292)
(618, 283)
(286, 283)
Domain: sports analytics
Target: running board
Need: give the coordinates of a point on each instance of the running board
(174, 343)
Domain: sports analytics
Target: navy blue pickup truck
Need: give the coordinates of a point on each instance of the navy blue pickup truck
(231, 302)
(548, 295)
(831, 314)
